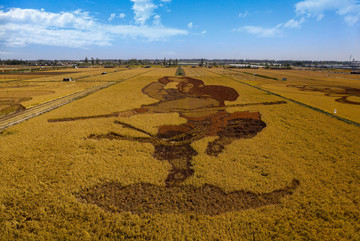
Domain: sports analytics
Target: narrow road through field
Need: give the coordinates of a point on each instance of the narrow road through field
(18, 117)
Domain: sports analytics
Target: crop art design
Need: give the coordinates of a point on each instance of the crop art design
(333, 91)
(203, 107)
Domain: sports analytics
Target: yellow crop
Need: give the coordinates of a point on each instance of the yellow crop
(302, 170)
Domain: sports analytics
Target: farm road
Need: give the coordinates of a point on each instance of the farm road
(18, 117)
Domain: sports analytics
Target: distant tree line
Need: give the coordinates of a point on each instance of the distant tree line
(30, 62)
(175, 62)
(13, 62)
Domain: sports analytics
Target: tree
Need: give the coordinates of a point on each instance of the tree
(287, 66)
(92, 61)
(86, 60)
(201, 63)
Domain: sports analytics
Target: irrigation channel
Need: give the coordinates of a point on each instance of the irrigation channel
(18, 117)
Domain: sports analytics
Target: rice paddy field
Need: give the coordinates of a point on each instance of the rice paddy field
(336, 93)
(239, 158)
(30, 89)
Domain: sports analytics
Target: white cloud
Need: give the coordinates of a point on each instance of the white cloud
(157, 20)
(352, 19)
(203, 32)
(75, 19)
(244, 14)
(261, 31)
(349, 9)
(276, 31)
(294, 23)
(122, 15)
(77, 29)
(150, 33)
(112, 16)
(190, 25)
(143, 10)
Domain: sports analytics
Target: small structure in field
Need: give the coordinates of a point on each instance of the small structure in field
(180, 71)
(68, 79)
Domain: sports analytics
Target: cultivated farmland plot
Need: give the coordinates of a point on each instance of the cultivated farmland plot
(201, 157)
(334, 93)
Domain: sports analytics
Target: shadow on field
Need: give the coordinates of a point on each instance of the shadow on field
(148, 198)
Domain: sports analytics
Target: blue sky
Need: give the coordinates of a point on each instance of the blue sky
(233, 29)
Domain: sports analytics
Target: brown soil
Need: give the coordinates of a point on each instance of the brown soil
(5, 110)
(336, 91)
(9, 105)
(153, 199)
(10, 101)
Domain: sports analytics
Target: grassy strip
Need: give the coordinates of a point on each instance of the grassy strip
(297, 102)
(262, 76)
(180, 72)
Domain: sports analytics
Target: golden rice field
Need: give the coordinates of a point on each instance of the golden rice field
(117, 75)
(297, 177)
(77, 74)
(334, 93)
(21, 92)
(45, 75)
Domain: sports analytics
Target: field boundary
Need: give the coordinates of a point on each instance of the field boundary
(294, 101)
(18, 117)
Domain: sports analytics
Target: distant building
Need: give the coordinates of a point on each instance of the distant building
(252, 66)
